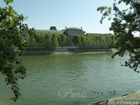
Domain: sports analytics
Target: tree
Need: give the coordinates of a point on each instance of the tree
(75, 39)
(63, 38)
(110, 41)
(125, 23)
(48, 41)
(31, 43)
(101, 42)
(41, 42)
(55, 39)
(11, 30)
(95, 41)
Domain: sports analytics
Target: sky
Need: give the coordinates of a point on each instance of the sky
(42, 14)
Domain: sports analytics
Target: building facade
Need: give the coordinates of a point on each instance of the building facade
(69, 32)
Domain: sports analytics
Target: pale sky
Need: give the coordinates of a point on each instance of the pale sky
(60, 13)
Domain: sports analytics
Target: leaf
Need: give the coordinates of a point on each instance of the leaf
(119, 2)
(109, 18)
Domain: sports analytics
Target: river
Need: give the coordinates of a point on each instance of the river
(73, 79)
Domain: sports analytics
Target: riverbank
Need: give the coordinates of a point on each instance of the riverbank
(64, 51)
(127, 99)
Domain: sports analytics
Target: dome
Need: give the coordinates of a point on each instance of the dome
(53, 28)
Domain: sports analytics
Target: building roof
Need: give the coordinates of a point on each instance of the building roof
(49, 31)
(53, 28)
(74, 28)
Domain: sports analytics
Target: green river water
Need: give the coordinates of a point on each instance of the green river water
(72, 79)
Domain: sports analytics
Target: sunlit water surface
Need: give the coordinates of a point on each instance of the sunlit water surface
(74, 79)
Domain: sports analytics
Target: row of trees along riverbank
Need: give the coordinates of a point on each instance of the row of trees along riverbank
(94, 41)
(51, 42)
(46, 41)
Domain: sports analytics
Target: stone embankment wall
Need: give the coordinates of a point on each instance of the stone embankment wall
(64, 50)
(96, 50)
(85, 50)
(37, 52)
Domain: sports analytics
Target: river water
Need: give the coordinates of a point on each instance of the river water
(73, 79)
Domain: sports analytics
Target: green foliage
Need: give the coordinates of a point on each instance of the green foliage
(8, 1)
(94, 41)
(75, 39)
(63, 38)
(55, 42)
(105, 11)
(125, 23)
(11, 39)
(58, 37)
(47, 42)
(110, 41)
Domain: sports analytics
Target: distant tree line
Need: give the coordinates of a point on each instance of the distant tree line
(51, 42)
(46, 41)
(94, 41)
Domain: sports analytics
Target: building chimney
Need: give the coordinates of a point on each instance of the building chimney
(81, 28)
(65, 27)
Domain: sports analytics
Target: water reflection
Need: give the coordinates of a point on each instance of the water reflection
(46, 75)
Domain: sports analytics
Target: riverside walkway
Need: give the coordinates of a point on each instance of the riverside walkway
(128, 99)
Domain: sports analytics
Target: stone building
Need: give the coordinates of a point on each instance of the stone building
(69, 32)
(52, 30)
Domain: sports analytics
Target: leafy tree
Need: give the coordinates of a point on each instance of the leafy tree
(39, 44)
(83, 41)
(32, 42)
(125, 23)
(79, 42)
(63, 38)
(48, 41)
(75, 40)
(90, 42)
(110, 41)
(54, 42)
(101, 42)
(58, 37)
(95, 41)
(11, 30)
